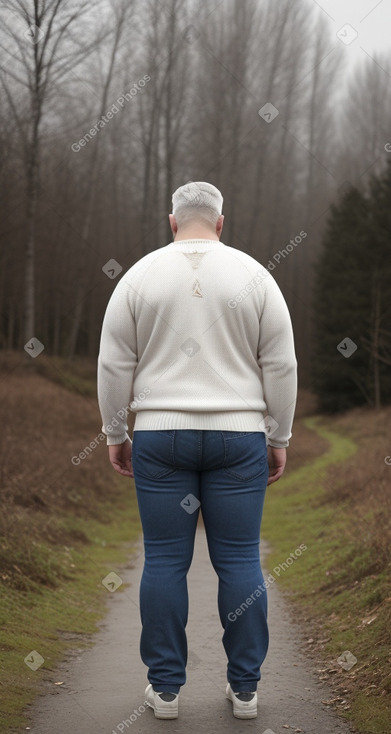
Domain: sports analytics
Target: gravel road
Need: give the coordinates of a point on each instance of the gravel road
(103, 689)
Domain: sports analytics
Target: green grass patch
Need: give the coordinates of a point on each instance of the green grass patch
(62, 613)
(332, 581)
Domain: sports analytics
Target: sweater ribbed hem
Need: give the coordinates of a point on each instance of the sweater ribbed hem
(160, 420)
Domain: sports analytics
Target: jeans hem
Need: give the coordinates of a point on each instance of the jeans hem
(247, 687)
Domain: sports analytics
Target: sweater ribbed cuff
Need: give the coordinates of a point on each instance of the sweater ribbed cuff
(116, 440)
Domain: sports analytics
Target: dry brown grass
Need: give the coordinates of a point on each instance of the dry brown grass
(44, 426)
(305, 445)
(363, 481)
(46, 423)
(50, 414)
(77, 375)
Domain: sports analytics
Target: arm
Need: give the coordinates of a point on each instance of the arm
(277, 360)
(116, 365)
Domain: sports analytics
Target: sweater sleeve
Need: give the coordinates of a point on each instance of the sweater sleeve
(277, 360)
(117, 362)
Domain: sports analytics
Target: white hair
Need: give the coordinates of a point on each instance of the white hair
(197, 200)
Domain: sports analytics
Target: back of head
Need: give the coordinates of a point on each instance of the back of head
(197, 201)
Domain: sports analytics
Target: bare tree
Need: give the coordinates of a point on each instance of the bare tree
(39, 38)
(212, 66)
(326, 64)
(364, 123)
(121, 14)
(162, 112)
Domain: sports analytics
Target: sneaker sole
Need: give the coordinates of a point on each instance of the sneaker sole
(243, 710)
(161, 712)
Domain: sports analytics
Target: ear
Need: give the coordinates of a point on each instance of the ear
(219, 225)
(173, 224)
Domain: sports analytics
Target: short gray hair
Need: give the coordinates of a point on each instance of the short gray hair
(197, 200)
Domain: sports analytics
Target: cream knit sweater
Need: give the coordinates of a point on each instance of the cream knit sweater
(197, 335)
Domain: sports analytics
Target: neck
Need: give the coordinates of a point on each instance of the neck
(196, 234)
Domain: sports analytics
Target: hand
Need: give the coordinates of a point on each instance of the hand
(120, 457)
(277, 461)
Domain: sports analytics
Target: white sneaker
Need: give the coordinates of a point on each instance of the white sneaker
(244, 704)
(164, 704)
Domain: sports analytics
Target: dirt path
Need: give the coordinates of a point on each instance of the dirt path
(104, 685)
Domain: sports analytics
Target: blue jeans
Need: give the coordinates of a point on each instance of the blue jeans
(223, 473)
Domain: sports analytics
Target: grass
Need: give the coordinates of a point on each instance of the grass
(64, 527)
(340, 586)
(50, 619)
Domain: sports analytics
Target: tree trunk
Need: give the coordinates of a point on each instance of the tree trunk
(32, 204)
(89, 207)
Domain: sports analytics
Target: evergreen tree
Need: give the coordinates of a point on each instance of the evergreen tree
(352, 337)
(378, 341)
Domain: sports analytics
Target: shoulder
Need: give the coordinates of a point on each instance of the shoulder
(142, 265)
(258, 273)
(244, 258)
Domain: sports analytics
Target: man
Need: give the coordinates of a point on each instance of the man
(197, 335)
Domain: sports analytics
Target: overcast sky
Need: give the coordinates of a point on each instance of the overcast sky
(370, 19)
